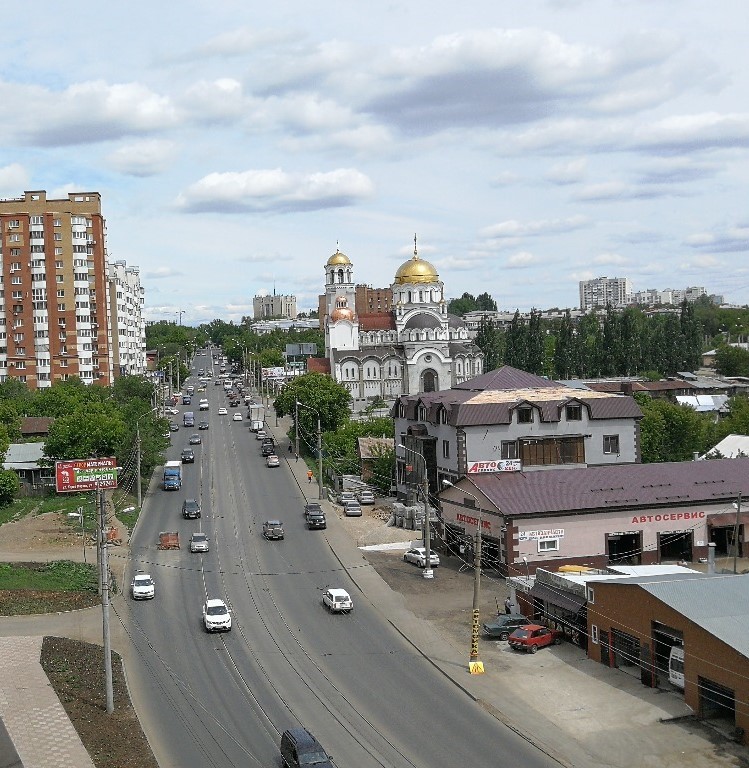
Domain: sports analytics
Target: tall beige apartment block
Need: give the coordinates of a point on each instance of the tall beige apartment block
(54, 305)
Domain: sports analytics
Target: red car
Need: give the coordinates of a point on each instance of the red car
(531, 637)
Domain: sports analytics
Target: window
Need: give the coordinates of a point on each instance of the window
(591, 595)
(58, 264)
(509, 449)
(554, 450)
(15, 266)
(16, 281)
(58, 251)
(61, 308)
(14, 224)
(574, 412)
(14, 238)
(58, 235)
(17, 337)
(16, 294)
(445, 449)
(525, 415)
(59, 279)
(548, 545)
(611, 444)
(36, 220)
(57, 223)
(60, 293)
(594, 633)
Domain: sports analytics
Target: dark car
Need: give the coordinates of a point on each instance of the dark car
(190, 509)
(312, 506)
(195, 439)
(188, 456)
(315, 518)
(233, 403)
(173, 427)
(203, 425)
(267, 449)
(273, 529)
(300, 748)
(504, 625)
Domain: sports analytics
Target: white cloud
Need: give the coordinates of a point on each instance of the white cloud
(161, 273)
(609, 258)
(568, 172)
(12, 178)
(274, 189)
(520, 260)
(514, 229)
(143, 158)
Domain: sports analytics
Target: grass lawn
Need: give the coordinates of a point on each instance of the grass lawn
(63, 503)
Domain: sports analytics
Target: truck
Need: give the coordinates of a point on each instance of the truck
(172, 475)
(256, 414)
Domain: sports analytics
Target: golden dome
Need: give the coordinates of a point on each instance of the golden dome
(342, 310)
(338, 259)
(416, 270)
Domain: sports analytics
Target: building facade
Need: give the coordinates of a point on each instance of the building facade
(126, 319)
(274, 306)
(413, 346)
(58, 317)
(604, 291)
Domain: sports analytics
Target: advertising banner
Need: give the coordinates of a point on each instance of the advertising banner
(495, 465)
(85, 475)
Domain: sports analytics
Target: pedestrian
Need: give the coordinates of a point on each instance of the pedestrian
(289, 447)
(508, 605)
(309, 475)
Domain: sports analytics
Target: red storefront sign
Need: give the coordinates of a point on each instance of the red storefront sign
(85, 475)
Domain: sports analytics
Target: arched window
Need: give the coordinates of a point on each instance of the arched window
(429, 381)
(340, 275)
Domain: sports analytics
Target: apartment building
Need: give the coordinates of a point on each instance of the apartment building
(274, 306)
(126, 297)
(604, 291)
(55, 312)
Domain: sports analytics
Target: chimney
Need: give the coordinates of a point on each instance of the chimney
(627, 388)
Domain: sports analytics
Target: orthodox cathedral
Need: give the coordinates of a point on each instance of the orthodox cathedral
(414, 346)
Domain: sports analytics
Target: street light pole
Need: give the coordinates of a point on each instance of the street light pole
(475, 666)
(319, 446)
(736, 534)
(428, 572)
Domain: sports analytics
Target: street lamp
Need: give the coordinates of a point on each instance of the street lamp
(137, 455)
(180, 312)
(475, 666)
(428, 572)
(297, 404)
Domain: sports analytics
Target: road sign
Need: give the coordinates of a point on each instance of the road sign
(85, 475)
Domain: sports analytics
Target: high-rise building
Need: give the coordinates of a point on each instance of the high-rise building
(56, 316)
(126, 319)
(273, 306)
(603, 291)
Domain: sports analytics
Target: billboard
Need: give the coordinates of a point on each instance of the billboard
(495, 465)
(85, 475)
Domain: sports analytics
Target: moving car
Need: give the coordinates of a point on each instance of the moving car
(273, 529)
(300, 748)
(312, 506)
(531, 637)
(173, 427)
(196, 439)
(418, 556)
(203, 425)
(272, 461)
(315, 518)
(504, 625)
(337, 600)
(260, 434)
(222, 412)
(190, 509)
(216, 616)
(237, 417)
(352, 509)
(188, 456)
(142, 587)
(366, 497)
(198, 542)
(267, 449)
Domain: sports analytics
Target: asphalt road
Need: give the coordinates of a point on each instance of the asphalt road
(223, 700)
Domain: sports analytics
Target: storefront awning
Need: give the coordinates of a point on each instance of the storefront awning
(568, 601)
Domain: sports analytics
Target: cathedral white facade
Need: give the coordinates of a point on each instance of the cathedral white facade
(416, 347)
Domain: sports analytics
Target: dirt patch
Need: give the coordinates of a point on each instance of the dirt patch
(372, 527)
(18, 602)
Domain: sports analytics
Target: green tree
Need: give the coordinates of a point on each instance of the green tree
(9, 486)
(486, 303)
(94, 431)
(466, 303)
(319, 392)
(383, 469)
(341, 447)
(732, 361)
(490, 340)
(534, 345)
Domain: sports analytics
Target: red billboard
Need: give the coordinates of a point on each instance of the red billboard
(85, 474)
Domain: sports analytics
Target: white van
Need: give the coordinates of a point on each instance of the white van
(676, 666)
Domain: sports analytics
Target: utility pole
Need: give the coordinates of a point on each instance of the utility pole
(296, 428)
(319, 458)
(109, 690)
(179, 363)
(137, 465)
(736, 534)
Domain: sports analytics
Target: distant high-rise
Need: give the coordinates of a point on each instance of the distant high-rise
(274, 306)
(126, 318)
(603, 291)
(58, 317)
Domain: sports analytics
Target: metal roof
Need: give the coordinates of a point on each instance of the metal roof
(717, 603)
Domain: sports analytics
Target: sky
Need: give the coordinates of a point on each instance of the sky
(528, 144)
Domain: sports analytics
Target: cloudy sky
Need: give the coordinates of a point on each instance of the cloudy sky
(529, 144)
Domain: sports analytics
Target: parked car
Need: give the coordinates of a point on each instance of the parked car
(173, 427)
(198, 542)
(337, 600)
(273, 529)
(272, 461)
(345, 496)
(366, 497)
(188, 456)
(418, 556)
(352, 508)
(216, 616)
(504, 625)
(531, 637)
(196, 439)
(190, 509)
(142, 587)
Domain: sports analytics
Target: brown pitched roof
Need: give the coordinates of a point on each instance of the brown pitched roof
(376, 321)
(589, 489)
(35, 425)
(506, 377)
(318, 365)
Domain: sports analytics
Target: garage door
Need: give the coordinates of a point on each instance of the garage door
(626, 650)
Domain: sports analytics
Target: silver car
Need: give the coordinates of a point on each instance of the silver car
(418, 556)
(198, 542)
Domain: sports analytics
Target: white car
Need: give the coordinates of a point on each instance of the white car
(272, 461)
(198, 542)
(237, 417)
(142, 587)
(222, 412)
(337, 600)
(260, 434)
(216, 616)
(345, 496)
(366, 497)
(418, 556)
